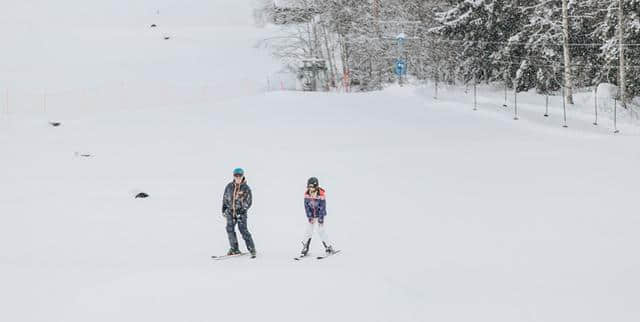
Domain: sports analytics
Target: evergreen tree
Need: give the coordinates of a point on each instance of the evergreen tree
(481, 28)
(605, 31)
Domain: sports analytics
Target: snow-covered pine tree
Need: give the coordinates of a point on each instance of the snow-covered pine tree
(606, 27)
(480, 29)
(539, 46)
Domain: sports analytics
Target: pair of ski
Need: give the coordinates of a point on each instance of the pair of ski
(318, 257)
(214, 257)
(253, 256)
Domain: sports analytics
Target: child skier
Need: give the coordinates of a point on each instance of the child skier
(315, 206)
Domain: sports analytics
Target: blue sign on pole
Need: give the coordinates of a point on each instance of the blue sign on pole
(401, 67)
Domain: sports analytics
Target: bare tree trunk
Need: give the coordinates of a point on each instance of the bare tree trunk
(376, 9)
(568, 82)
(623, 75)
(376, 25)
(344, 55)
(310, 40)
(316, 39)
(332, 68)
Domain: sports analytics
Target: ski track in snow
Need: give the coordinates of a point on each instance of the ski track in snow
(441, 213)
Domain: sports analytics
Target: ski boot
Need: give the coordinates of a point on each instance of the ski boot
(305, 248)
(233, 251)
(328, 249)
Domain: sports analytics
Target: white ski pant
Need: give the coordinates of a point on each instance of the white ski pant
(315, 225)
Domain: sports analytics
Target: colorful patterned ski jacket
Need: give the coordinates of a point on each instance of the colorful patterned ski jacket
(237, 198)
(315, 206)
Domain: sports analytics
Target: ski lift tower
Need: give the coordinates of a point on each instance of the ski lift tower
(313, 73)
(396, 32)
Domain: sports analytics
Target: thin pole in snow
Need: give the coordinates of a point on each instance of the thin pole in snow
(595, 104)
(546, 104)
(475, 96)
(515, 103)
(615, 116)
(504, 78)
(436, 87)
(505, 93)
(564, 109)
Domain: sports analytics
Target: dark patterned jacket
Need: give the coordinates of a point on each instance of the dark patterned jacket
(237, 198)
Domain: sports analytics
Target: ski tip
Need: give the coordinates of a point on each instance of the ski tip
(325, 256)
(221, 257)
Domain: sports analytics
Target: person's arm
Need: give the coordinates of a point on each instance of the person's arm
(322, 207)
(247, 200)
(225, 200)
(307, 208)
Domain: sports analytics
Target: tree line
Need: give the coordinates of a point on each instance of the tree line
(546, 45)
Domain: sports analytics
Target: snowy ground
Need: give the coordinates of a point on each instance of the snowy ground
(442, 213)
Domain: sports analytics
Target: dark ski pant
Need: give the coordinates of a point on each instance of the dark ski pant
(241, 221)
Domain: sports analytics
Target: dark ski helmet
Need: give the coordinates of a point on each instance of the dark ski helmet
(313, 181)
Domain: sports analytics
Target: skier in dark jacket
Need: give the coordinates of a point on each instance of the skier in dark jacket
(315, 206)
(235, 204)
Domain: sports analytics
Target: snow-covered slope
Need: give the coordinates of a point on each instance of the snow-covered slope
(443, 214)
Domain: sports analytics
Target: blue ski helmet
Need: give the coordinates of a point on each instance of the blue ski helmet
(239, 171)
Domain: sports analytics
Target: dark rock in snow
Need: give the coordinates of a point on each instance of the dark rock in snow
(84, 155)
(142, 195)
(167, 38)
(153, 25)
(55, 124)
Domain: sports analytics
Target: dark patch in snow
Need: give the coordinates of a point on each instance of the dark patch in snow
(141, 195)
